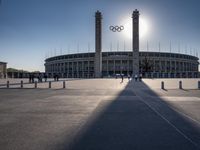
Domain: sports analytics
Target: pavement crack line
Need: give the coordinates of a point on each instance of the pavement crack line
(185, 115)
(171, 124)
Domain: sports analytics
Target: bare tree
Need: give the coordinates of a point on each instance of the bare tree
(147, 65)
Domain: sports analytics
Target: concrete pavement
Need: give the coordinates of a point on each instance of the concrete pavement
(99, 114)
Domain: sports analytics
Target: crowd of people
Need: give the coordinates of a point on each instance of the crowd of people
(39, 77)
(136, 77)
(56, 77)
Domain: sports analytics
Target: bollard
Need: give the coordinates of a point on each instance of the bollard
(198, 84)
(49, 84)
(63, 84)
(8, 84)
(180, 85)
(21, 83)
(162, 85)
(35, 84)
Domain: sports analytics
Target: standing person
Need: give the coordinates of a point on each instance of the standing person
(41, 77)
(128, 77)
(45, 77)
(122, 76)
(57, 77)
(54, 76)
(136, 77)
(30, 77)
(140, 77)
(38, 77)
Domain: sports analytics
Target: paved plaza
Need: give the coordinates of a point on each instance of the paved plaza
(101, 114)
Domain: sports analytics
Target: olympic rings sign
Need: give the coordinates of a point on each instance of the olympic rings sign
(116, 28)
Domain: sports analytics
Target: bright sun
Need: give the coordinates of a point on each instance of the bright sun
(143, 28)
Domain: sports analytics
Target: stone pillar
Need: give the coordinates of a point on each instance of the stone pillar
(5, 69)
(77, 69)
(175, 70)
(83, 70)
(135, 41)
(165, 69)
(107, 67)
(121, 67)
(72, 69)
(114, 67)
(67, 69)
(64, 70)
(128, 71)
(98, 53)
(88, 75)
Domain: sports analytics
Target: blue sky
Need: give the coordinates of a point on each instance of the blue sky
(31, 30)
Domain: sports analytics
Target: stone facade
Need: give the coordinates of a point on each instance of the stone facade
(151, 64)
(3, 68)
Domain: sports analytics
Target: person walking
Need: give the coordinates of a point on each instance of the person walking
(122, 77)
(57, 77)
(140, 77)
(136, 77)
(54, 76)
(128, 77)
(30, 77)
(45, 77)
(38, 77)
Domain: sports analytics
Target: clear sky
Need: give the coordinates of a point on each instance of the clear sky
(31, 30)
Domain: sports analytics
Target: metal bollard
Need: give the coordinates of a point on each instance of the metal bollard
(8, 84)
(35, 84)
(180, 85)
(198, 84)
(49, 84)
(63, 84)
(162, 85)
(21, 83)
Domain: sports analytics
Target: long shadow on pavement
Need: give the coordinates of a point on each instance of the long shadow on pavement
(138, 119)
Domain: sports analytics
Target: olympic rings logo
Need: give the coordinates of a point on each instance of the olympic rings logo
(116, 28)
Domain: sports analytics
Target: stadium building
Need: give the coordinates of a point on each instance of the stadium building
(103, 64)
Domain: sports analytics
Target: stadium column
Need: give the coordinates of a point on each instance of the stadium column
(107, 67)
(135, 42)
(98, 53)
(88, 70)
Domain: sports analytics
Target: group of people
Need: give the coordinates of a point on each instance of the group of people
(136, 77)
(39, 77)
(56, 77)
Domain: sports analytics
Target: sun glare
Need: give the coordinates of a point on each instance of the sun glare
(143, 28)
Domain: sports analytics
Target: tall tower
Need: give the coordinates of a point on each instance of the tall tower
(98, 41)
(135, 42)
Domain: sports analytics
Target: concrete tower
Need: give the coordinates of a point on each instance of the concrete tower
(135, 42)
(98, 41)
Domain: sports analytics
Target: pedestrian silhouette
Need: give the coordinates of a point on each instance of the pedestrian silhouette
(122, 77)
(136, 77)
(45, 77)
(140, 77)
(128, 77)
